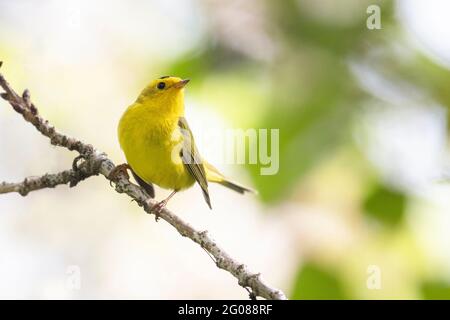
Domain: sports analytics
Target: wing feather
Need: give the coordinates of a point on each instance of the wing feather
(192, 160)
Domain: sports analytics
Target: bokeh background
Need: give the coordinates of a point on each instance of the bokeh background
(361, 193)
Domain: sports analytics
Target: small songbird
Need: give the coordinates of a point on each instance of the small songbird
(159, 146)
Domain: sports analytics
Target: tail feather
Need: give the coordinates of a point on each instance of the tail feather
(213, 175)
(234, 186)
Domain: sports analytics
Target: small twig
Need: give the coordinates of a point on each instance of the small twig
(48, 180)
(96, 162)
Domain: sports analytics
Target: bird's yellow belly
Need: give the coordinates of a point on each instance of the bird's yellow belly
(151, 159)
(154, 164)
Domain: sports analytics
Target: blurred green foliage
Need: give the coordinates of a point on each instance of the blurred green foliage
(310, 93)
(314, 104)
(385, 205)
(435, 290)
(316, 282)
(211, 58)
(312, 97)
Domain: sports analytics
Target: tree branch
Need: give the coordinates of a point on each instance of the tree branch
(71, 177)
(95, 162)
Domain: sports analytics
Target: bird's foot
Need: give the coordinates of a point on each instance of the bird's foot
(158, 207)
(120, 169)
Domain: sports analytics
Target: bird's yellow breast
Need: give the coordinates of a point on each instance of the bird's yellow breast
(151, 144)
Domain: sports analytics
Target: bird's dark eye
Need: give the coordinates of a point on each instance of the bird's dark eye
(161, 85)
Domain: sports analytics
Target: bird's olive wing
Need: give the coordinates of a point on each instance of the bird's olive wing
(191, 158)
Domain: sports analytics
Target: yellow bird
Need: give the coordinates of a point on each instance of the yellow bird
(159, 146)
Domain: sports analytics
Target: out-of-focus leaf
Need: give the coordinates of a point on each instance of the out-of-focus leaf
(427, 75)
(418, 70)
(314, 95)
(312, 121)
(204, 61)
(339, 39)
(314, 282)
(385, 205)
(435, 290)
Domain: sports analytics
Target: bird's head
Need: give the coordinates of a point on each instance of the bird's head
(164, 94)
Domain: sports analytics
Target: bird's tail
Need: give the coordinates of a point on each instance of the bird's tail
(213, 175)
(235, 186)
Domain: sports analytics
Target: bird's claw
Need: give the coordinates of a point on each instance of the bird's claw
(120, 169)
(157, 208)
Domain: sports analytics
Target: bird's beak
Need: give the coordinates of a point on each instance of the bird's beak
(180, 84)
